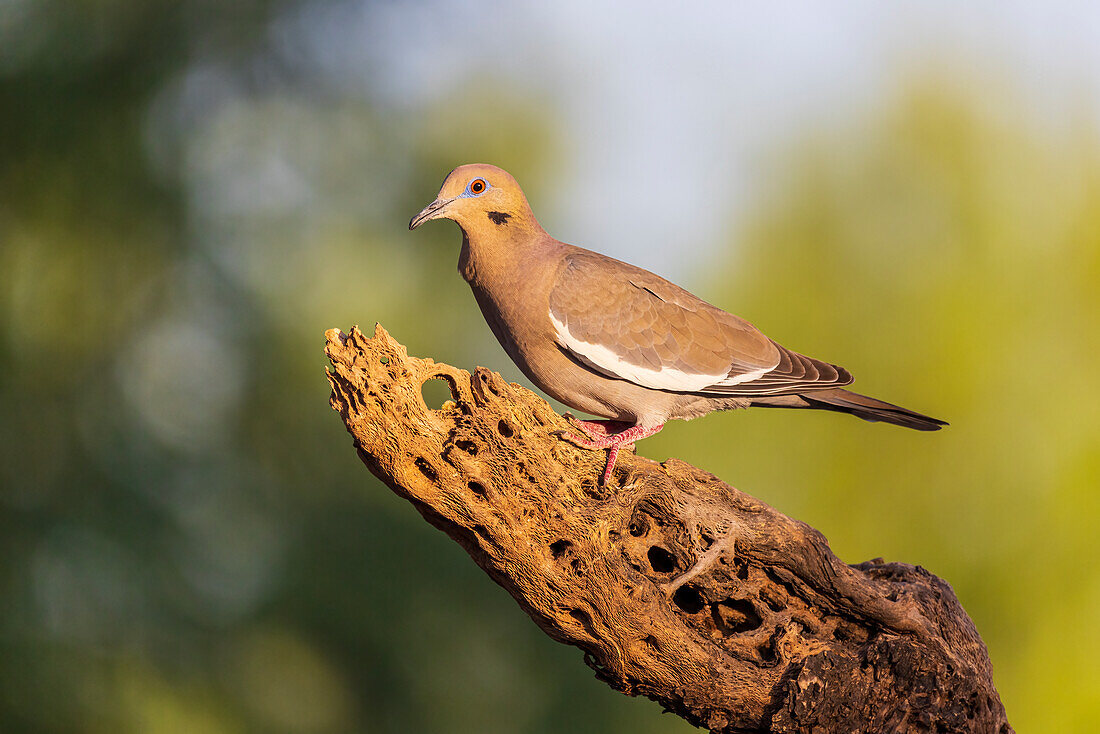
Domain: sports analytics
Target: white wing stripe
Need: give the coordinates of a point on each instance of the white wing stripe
(662, 379)
(746, 376)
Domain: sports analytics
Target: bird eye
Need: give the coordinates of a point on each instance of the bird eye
(477, 186)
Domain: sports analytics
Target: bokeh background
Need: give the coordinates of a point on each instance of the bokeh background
(192, 192)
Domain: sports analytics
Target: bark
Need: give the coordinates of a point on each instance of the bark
(675, 585)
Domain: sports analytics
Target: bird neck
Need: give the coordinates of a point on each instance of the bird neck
(494, 255)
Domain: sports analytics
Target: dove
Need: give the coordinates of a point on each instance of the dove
(616, 341)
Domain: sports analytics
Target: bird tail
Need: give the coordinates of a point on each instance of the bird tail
(861, 406)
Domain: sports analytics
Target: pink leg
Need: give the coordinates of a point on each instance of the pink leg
(614, 442)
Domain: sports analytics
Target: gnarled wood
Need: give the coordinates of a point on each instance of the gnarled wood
(676, 585)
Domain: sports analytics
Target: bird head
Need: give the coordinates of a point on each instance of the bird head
(478, 197)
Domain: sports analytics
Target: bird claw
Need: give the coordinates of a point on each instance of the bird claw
(575, 440)
(577, 424)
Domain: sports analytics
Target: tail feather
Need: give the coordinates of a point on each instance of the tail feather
(861, 406)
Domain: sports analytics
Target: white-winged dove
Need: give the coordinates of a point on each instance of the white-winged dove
(619, 342)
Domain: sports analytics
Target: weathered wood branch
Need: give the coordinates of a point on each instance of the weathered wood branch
(676, 586)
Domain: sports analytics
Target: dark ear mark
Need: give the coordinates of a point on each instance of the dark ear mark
(499, 217)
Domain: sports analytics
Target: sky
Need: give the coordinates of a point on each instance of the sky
(671, 110)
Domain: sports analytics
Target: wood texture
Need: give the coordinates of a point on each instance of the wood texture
(675, 585)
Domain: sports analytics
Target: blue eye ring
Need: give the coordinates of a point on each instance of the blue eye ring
(476, 187)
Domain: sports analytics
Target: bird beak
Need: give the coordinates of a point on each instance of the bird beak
(431, 211)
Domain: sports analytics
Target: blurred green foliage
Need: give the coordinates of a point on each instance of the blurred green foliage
(188, 542)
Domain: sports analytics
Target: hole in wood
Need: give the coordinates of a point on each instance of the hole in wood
(484, 387)
(468, 446)
(505, 430)
(477, 487)
(435, 392)
(558, 547)
(660, 560)
(638, 527)
(426, 468)
(773, 599)
(586, 621)
(847, 632)
(733, 616)
(768, 650)
(384, 360)
(689, 599)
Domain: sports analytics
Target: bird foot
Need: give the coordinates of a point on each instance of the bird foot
(607, 440)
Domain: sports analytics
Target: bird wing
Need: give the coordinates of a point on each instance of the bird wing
(627, 323)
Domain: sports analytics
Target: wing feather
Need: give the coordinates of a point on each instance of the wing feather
(627, 323)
